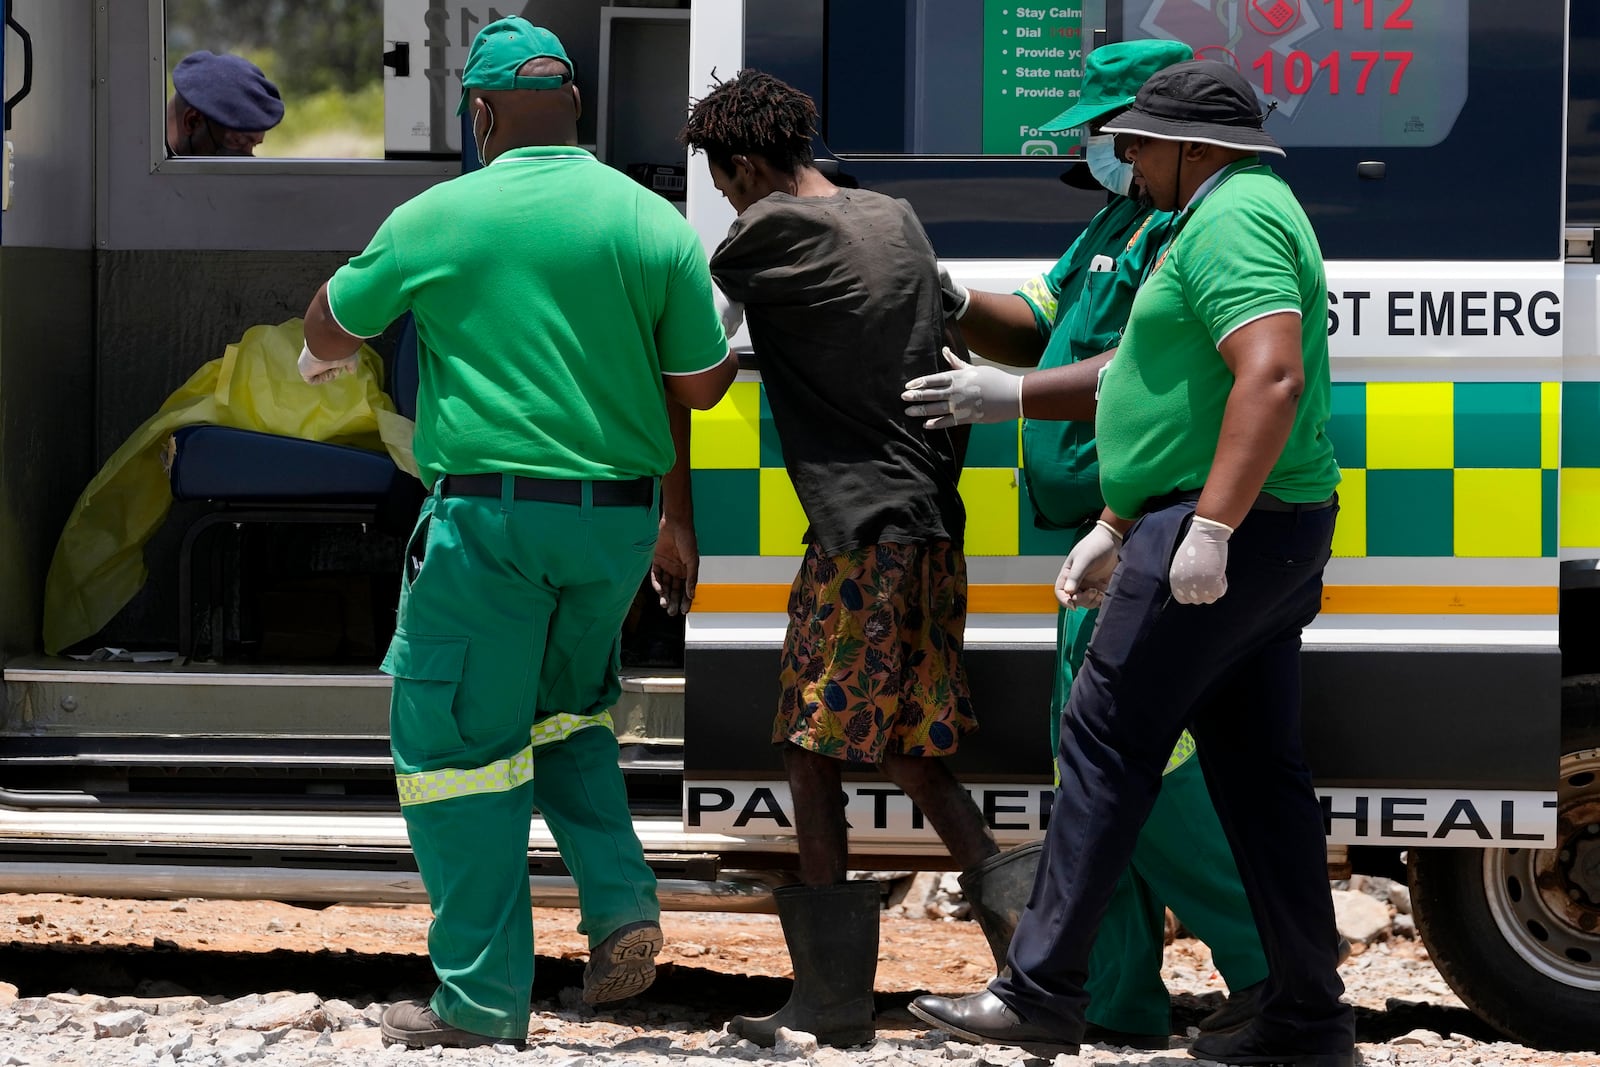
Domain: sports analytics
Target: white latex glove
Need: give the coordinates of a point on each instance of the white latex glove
(964, 395)
(1199, 572)
(962, 294)
(315, 371)
(730, 311)
(1087, 569)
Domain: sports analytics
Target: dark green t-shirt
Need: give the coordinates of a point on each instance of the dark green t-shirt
(1245, 251)
(551, 293)
(1081, 306)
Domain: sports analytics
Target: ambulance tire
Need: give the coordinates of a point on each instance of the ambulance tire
(1517, 951)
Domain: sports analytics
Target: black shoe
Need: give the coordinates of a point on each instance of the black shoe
(1104, 1035)
(413, 1024)
(1240, 1007)
(984, 1018)
(1243, 1005)
(1245, 1048)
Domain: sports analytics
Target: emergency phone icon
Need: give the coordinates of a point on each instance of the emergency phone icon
(1039, 148)
(1272, 17)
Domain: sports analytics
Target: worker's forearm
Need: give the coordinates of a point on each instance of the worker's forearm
(325, 338)
(1063, 394)
(677, 497)
(1116, 522)
(1255, 426)
(1001, 328)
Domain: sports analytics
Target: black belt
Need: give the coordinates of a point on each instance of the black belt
(1268, 502)
(629, 492)
(1264, 502)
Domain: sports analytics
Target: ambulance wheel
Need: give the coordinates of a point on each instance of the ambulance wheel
(1516, 931)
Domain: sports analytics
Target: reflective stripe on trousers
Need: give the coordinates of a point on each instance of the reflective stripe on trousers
(501, 776)
(1180, 753)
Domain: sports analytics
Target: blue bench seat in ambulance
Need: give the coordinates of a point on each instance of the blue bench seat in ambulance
(247, 466)
(249, 477)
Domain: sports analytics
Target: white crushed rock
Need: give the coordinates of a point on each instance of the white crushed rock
(303, 1011)
(929, 895)
(119, 1023)
(1361, 918)
(794, 1042)
(1390, 981)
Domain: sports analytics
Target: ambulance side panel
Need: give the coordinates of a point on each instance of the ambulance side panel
(1432, 679)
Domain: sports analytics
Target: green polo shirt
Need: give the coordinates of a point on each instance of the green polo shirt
(551, 293)
(1245, 251)
(1081, 306)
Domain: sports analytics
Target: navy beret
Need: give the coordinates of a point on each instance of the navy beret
(229, 90)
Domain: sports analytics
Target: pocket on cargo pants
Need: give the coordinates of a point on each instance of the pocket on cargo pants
(427, 676)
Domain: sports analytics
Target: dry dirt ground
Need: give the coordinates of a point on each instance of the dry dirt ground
(914, 954)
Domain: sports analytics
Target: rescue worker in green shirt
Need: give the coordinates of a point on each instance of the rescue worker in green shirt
(1077, 311)
(1207, 565)
(561, 310)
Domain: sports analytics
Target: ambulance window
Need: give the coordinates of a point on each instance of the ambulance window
(1459, 100)
(1583, 117)
(953, 78)
(324, 56)
(948, 77)
(1374, 73)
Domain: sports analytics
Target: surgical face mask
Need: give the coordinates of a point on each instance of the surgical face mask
(1107, 169)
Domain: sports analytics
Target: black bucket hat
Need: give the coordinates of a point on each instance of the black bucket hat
(1202, 100)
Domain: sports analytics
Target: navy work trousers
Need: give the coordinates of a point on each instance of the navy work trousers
(1229, 672)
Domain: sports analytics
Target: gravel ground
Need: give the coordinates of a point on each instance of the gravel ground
(159, 984)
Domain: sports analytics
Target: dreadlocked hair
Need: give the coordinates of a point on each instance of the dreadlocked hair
(753, 113)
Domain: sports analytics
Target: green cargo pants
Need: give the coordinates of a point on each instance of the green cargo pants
(1182, 859)
(505, 668)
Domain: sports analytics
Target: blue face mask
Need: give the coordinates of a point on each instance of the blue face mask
(1107, 169)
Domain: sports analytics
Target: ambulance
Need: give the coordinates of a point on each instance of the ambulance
(224, 733)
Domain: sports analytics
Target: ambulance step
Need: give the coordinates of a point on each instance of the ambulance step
(650, 711)
(51, 696)
(62, 697)
(334, 879)
(160, 756)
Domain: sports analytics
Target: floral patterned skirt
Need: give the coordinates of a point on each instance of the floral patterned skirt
(872, 657)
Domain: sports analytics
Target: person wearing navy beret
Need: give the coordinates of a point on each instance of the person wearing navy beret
(222, 105)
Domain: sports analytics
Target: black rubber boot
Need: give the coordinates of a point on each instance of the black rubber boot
(832, 933)
(998, 890)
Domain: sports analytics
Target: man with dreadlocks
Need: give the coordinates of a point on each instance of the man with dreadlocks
(842, 292)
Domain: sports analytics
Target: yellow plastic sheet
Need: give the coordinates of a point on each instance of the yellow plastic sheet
(99, 561)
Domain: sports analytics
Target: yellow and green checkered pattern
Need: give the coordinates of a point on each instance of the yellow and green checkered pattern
(501, 776)
(1430, 469)
(448, 783)
(562, 725)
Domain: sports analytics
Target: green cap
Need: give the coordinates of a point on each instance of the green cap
(1112, 76)
(500, 50)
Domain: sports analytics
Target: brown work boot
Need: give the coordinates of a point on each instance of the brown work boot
(413, 1024)
(624, 964)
